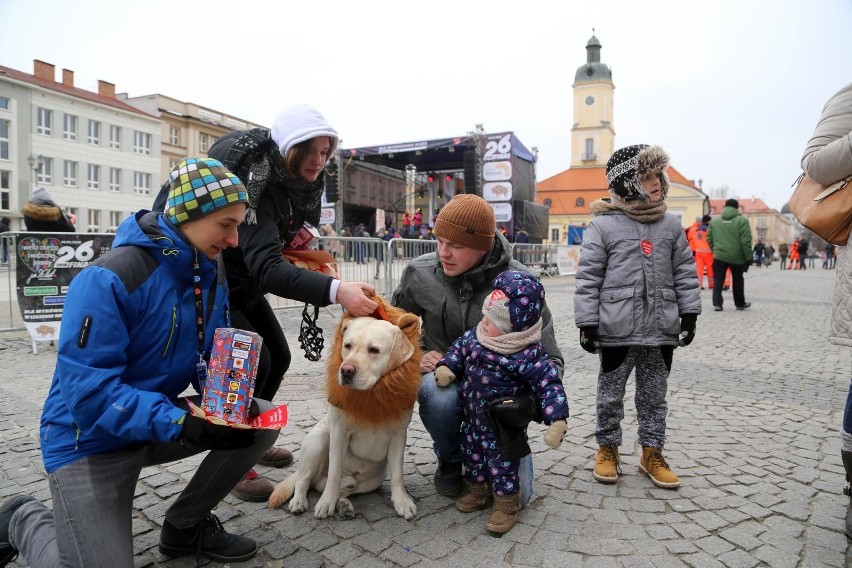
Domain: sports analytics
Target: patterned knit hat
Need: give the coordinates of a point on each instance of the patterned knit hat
(628, 166)
(199, 186)
(467, 220)
(516, 302)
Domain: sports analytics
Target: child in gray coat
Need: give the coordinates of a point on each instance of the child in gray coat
(636, 291)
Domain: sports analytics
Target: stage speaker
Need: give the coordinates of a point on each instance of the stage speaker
(471, 173)
(332, 191)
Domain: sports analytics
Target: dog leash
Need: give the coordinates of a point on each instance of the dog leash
(310, 335)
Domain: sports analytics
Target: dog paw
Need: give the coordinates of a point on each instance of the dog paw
(345, 510)
(404, 507)
(298, 505)
(325, 508)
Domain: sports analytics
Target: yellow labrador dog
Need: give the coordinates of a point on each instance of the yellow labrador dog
(372, 380)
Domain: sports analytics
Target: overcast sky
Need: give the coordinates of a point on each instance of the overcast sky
(732, 89)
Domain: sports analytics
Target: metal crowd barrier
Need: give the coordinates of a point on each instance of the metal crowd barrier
(371, 260)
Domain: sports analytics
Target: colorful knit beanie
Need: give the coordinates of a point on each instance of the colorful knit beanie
(628, 166)
(200, 186)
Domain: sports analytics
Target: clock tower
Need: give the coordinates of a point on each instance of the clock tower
(593, 135)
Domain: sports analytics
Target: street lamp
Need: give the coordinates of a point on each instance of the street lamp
(35, 164)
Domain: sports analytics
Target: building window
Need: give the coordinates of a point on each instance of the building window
(94, 221)
(69, 174)
(142, 143)
(114, 137)
(5, 176)
(69, 127)
(115, 218)
(43, 121)
(554, 234)
(115, 179)
(174, 136)
(94, 132)
(590, 149)
(45, 172)
(4, 139)
(141, 183)
(4, 103)
(94, 181)
(203, 140)
(580, 202)
(173, 162)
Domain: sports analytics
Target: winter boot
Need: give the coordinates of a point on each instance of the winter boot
(847, 465)
(448, 478)
(253, 488)
(505, 513)
(477, 497)
(606, 464)
(654, 465)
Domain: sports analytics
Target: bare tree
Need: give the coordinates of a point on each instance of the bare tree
(720, 192)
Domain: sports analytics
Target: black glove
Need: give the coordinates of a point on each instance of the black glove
(207, 436)
(747, 264)
(589, 338)
(687, 329)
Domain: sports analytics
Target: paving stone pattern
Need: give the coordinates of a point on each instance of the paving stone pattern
(755, 406)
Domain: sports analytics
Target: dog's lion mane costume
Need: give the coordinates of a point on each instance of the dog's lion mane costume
(396, 392)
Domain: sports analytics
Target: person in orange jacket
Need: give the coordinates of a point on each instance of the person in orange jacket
(703, 253)
(690, 238)
(794, 255)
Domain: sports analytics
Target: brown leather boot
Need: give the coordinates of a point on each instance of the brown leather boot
(654, 465)
(505, 513)
(606, 464)
(276, 457)
(476, 497)
(253, 488)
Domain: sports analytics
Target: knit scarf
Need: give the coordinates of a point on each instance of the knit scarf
(640, 210)
(512, 342)
(266, 168)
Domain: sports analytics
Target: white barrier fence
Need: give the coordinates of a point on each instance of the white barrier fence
(370, 260)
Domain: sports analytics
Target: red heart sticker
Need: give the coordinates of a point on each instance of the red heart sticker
(647, 247)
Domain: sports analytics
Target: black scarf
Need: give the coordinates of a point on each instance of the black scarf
(260, 166)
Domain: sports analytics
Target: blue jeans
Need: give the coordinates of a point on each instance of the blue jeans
(441, 413)
(847, 415)
(91, 521)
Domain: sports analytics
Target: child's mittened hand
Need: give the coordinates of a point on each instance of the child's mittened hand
(444, 376)
(555, 433)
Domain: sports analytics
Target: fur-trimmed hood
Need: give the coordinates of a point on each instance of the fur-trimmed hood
(629, 165)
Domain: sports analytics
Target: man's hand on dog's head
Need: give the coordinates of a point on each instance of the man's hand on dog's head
(353, 296)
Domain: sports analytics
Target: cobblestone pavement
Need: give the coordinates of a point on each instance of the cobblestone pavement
(755, 406)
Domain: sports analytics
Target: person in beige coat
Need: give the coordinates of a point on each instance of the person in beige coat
(827, 159)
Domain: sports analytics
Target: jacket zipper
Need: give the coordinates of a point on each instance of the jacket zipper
(171, 331)
(444, 317)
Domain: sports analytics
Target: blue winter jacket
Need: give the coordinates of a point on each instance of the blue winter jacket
(128, 343)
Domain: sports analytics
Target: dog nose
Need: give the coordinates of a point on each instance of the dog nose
(347, 373)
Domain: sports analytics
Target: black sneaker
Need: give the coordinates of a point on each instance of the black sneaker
(745, 306)
(7, 551)
(208, 538)
(448, 478)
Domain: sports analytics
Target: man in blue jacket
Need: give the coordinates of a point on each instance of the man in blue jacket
(137, 328)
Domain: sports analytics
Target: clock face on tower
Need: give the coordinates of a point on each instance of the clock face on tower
(590, 100)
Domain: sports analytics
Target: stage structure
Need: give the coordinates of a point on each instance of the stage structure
(497, 167)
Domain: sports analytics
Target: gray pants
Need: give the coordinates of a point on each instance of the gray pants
(91, 522)
(652, 366)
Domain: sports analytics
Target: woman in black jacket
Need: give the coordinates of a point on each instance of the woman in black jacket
(283, 169)
(42, 214)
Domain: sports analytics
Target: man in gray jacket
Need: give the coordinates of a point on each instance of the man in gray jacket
(446, 289)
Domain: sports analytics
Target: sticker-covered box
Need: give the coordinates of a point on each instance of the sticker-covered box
(230, 374)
